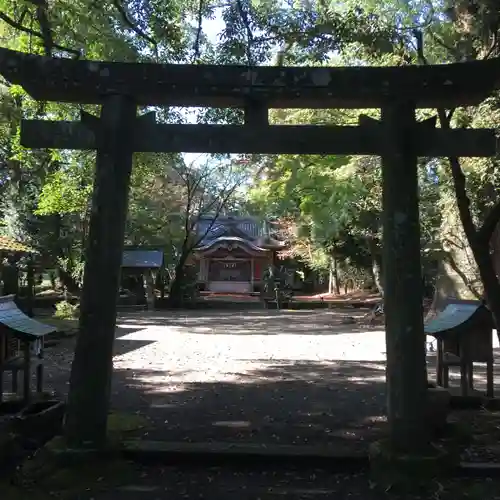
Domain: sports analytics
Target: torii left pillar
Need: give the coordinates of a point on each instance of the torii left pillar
(91, 372)
(405, 340)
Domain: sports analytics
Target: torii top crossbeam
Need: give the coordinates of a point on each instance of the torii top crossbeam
(87, 82)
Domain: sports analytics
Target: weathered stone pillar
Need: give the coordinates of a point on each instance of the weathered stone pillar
(406, 374)
(92, 366)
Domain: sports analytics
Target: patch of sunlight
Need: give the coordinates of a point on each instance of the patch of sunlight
(232, 424)
(201, 329)
(366, 380)
(150, 333)
(163, 388)
(375, 418)
(302, 491)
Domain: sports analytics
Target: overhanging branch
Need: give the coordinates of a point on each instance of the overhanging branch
(131, 24)
(19, 26)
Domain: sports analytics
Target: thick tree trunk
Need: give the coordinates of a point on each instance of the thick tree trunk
(175, 295)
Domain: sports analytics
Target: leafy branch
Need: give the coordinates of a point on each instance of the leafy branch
(199, 30)
(45, 35)
(130, 23)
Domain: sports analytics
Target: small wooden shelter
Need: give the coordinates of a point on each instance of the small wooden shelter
(464, 333)
(139, 266)
(21, 346)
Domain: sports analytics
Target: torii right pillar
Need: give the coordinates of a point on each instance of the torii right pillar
(405, 340)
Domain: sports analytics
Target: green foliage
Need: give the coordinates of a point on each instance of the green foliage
(64, 192)
(329, 204)
(66, 310)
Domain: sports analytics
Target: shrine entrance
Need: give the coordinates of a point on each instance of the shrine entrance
(121, 88)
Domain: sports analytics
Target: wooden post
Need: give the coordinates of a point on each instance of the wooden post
(406, 362)
(26, 372)
(40, 367)
(252, 277)
(149, 288)
(31, 287)
(91, 372)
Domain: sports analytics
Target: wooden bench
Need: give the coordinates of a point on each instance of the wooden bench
(464, 334)
(21, 347)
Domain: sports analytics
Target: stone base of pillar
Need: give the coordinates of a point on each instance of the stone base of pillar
(409, 474)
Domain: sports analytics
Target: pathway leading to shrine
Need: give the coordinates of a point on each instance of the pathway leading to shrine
(289, 377)
(255, 376)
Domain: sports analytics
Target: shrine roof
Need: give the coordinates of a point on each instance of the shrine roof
(146, 259)
(22, 326)
(66, 80)
(10, 245)
(230, 240)
(247, 228)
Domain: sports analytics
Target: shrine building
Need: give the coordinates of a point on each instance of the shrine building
(233, 252)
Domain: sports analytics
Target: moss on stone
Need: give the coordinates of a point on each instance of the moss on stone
(126, 422)
(407, 473)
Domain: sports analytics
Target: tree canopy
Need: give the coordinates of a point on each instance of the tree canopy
(330, 204)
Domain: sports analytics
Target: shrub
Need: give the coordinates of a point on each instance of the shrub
(66, 310)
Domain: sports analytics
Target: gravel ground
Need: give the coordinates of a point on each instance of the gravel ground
(301, 377)
(260, 376)
(132, 482)
(290, 377)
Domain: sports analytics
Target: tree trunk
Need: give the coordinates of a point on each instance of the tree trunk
(479, 240)
(490, 282)
(333, 278)
(149, 286)
(376, 267)
(175, 295)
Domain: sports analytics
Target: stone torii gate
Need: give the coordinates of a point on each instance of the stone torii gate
(123, 87)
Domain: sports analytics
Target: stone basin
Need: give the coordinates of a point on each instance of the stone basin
(41, 420)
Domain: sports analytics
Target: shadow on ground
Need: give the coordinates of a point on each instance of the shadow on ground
(282, 402)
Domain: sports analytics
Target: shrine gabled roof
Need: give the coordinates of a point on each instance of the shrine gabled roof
(230, 240)
(65, 80)
(247, 228)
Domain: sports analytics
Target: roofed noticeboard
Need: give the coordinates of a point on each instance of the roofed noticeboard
(22, 326)
(451, 317)
(145, 259)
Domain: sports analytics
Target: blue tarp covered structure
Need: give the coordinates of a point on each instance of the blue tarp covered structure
(144, 259)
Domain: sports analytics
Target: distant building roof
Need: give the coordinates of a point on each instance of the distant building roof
(231, 239)
(211, 228)
(10, 245)
(142, 258)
